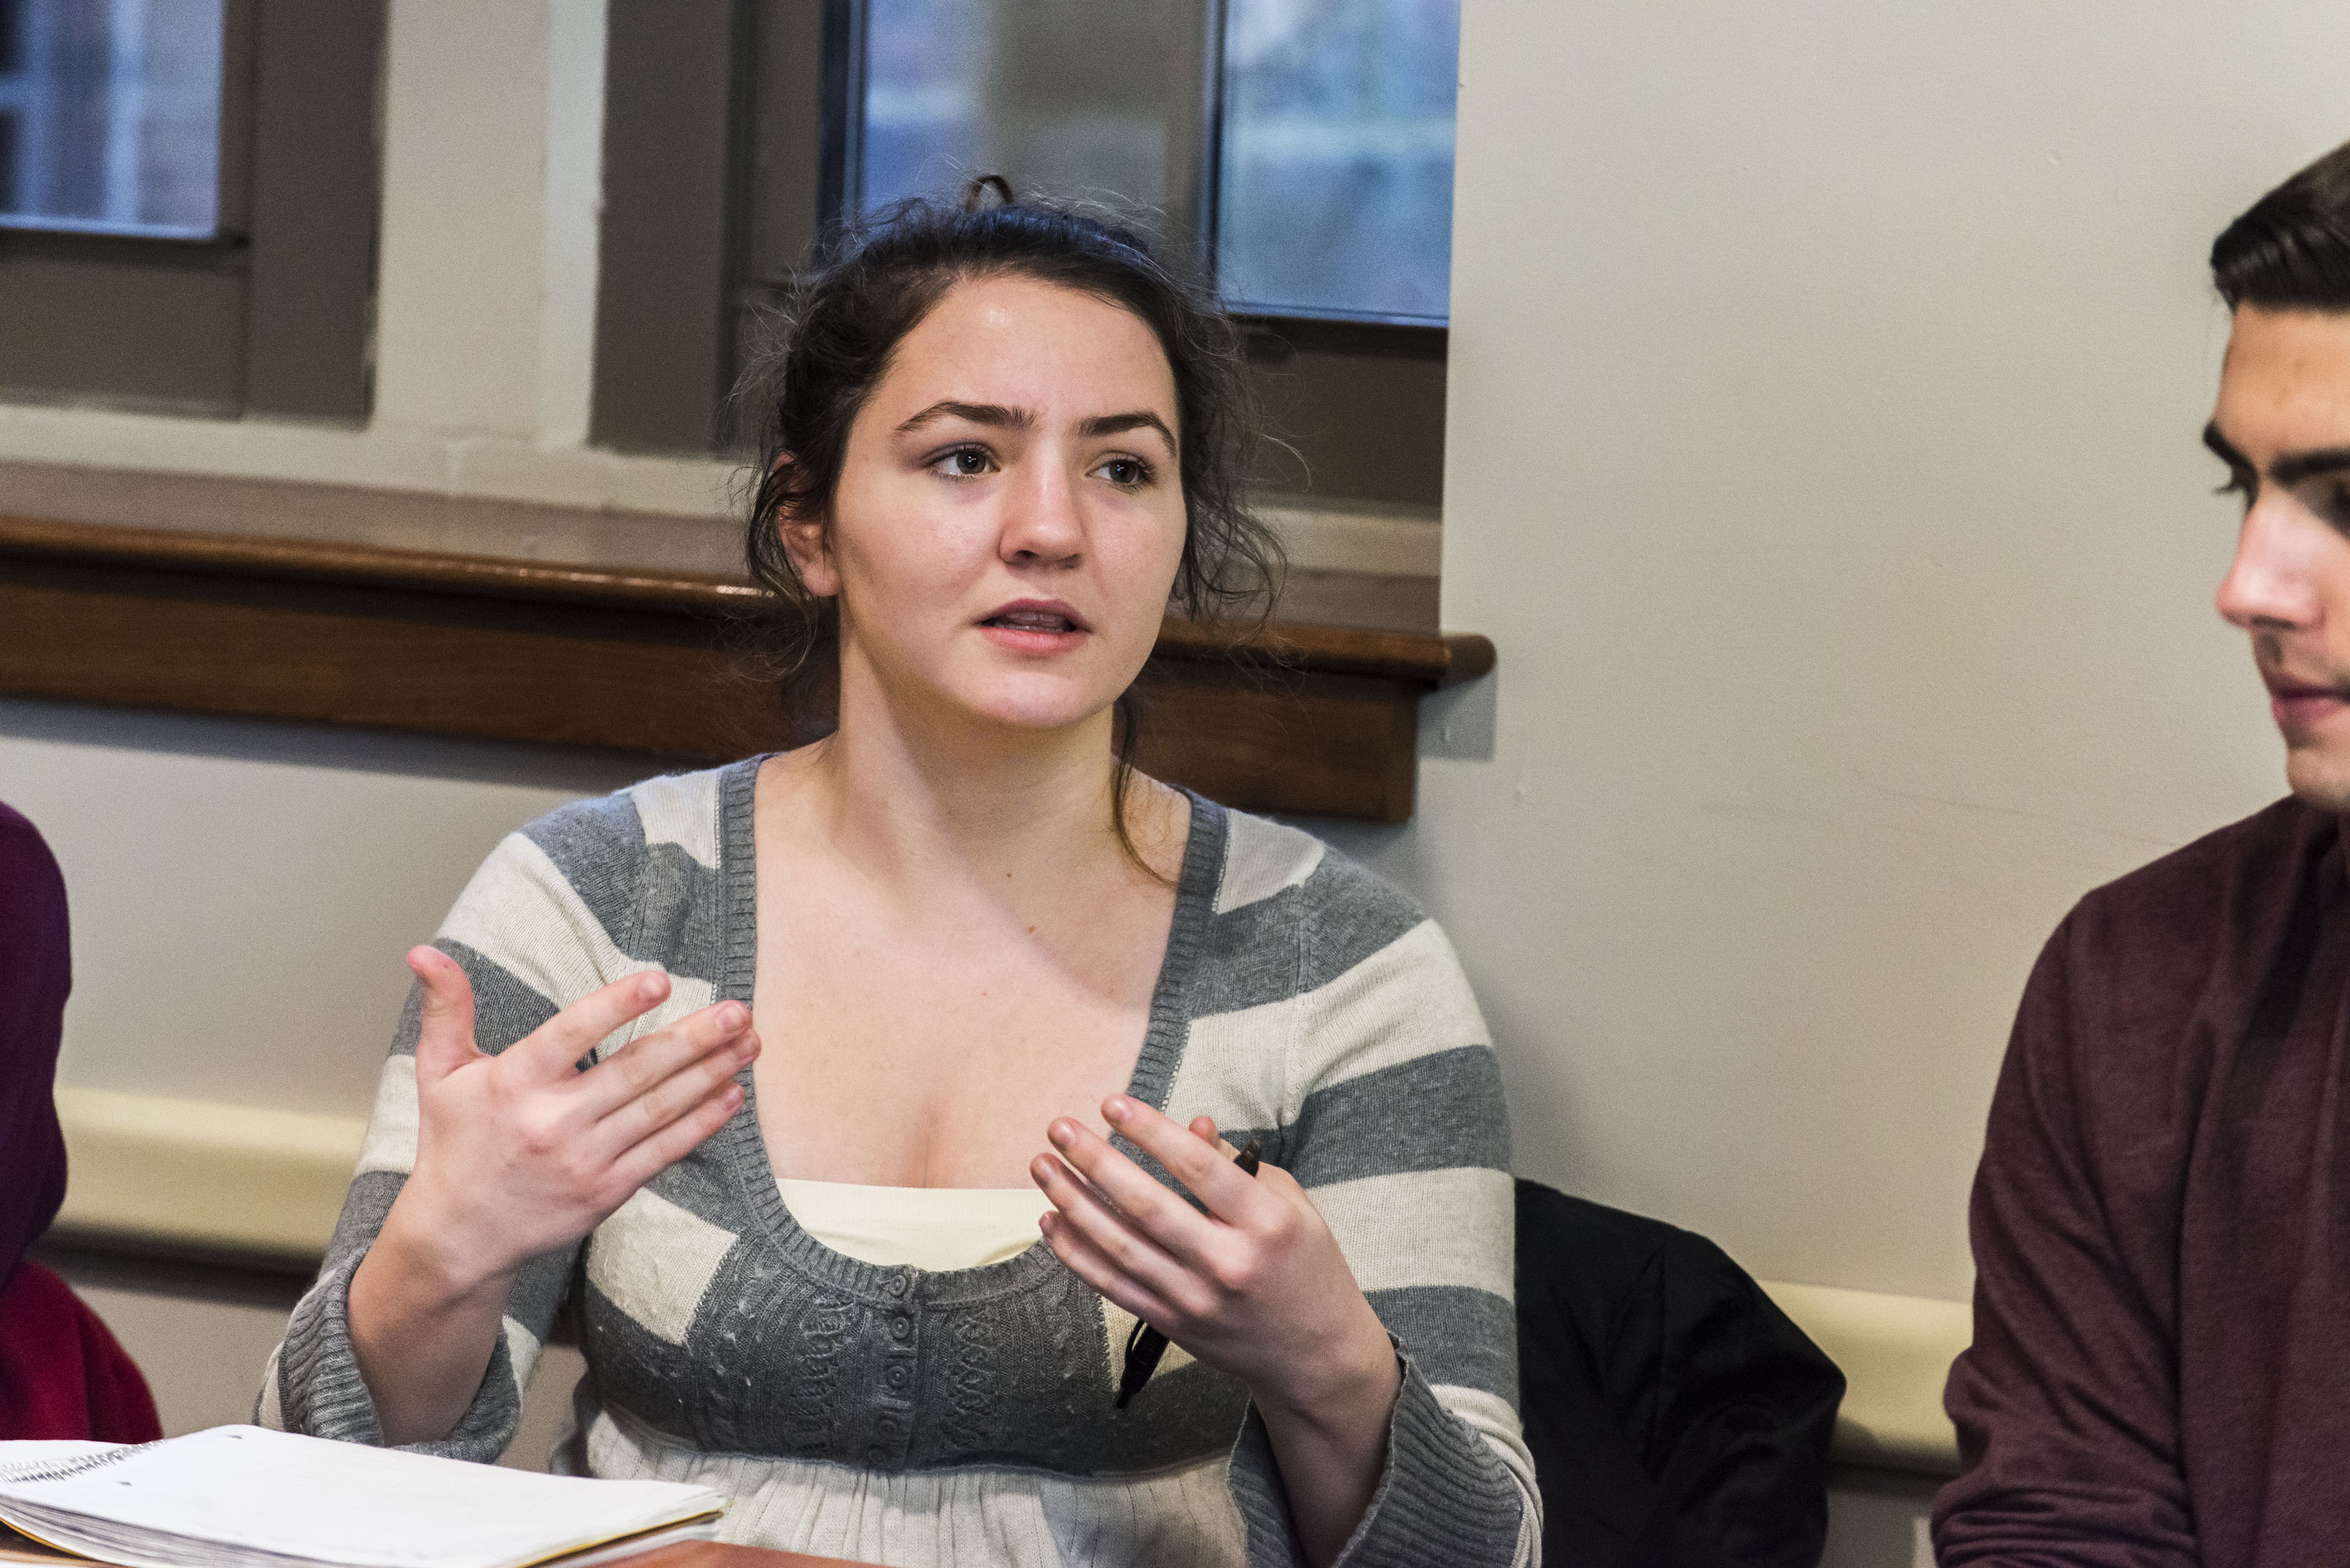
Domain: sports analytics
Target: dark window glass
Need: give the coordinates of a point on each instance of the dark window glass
(115, 109)
(1334, 195)
(1334, 190)
(1094, 98)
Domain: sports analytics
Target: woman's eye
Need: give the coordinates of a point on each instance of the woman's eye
(1126, 473)
(2239, 483)
(964, 463)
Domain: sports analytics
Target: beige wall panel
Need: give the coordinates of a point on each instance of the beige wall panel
(242, 892)
(1823, 460)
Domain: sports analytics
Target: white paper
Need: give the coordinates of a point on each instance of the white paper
(245, 1495)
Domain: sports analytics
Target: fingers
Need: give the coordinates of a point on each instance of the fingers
(446, 1040)
(1198, 1162)
(1204, 1129)
(707, 1058)
(1089, 1263)
(551, 1053)
(1121, 1246)
(652, 1060)
(656, 1153)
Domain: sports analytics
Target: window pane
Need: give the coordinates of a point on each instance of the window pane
(1337, 190)
(109, 115)
(1092, 99)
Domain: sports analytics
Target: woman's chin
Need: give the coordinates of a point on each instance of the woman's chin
(1040, 713)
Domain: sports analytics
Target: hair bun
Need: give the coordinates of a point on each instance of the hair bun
(981, 185)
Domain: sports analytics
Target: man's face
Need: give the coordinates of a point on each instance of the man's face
(2283, 427)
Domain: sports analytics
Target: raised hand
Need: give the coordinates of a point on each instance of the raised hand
(518, 1154)
(521, 1152)
(1256, 1287)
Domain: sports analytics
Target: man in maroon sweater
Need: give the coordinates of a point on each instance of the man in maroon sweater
(2161, 1373)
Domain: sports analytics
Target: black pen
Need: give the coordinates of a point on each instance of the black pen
(1145, 1344)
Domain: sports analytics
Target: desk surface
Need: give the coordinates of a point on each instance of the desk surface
(15, 1547)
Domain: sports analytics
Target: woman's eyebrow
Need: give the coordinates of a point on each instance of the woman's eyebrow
(994, 414)
(1142, 418)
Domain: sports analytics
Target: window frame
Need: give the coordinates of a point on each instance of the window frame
(273, 314)
(696, 108)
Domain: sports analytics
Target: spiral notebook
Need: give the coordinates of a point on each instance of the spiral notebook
(246, 1496)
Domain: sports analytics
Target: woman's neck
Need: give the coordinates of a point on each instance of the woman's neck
(915, 798)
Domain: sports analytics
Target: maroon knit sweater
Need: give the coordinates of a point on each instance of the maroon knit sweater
(2161, 1366)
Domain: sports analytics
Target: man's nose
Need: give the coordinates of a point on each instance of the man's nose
(2271, 584)
(1042, 522)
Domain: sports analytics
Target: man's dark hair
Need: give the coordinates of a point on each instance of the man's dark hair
(2291, 250)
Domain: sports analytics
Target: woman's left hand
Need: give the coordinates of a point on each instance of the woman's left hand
(1255, 1287)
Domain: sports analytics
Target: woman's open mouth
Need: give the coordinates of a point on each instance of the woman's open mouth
(1034, 626)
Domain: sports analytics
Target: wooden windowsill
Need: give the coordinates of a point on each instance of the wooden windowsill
(279, 624)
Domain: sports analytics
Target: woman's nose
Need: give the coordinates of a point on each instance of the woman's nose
(1042, 522)
(2271, 582)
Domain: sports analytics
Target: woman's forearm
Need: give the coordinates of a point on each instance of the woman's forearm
(1329, 1436)
(421, 1332)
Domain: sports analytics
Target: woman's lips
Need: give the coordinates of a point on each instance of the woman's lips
(1033, 628)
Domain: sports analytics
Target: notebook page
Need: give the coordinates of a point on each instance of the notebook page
(260, 1493)
(18, 1459)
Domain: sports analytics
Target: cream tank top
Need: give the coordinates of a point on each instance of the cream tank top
(936, 1229)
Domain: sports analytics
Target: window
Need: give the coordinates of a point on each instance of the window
(1091, 99)
(109, 116)
(187, 204)
(1335, 184)
(733, 133)
(1305, 147)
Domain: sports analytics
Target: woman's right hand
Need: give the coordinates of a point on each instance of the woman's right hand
(522, 1152)
(518, 1154)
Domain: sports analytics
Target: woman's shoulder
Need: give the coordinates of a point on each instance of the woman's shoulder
(1278, 879)
(682, 815)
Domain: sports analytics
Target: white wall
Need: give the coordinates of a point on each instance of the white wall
(1825, 383)
(242, 892)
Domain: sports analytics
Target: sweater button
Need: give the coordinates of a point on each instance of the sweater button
(900, 1326)
(897, 1285)
(877, 1455)
(897, 1377)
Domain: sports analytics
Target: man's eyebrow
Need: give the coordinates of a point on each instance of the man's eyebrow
(2294, 467)
(2222, 448)
(994, 414)
(1142, 418)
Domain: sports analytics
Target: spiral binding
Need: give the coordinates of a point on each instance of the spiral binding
(66, 1469)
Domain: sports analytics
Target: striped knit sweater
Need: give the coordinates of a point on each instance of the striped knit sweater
(897, 1416)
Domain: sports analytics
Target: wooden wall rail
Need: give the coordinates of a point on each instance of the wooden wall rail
(1307, 719)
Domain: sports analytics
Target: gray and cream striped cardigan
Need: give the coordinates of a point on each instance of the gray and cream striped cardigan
(899, 1416)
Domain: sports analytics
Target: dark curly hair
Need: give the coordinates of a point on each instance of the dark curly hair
(872, 284)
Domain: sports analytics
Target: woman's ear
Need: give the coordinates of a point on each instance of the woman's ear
(804, 542)
(803, 532)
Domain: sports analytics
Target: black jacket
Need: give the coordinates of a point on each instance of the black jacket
(1676, 1417)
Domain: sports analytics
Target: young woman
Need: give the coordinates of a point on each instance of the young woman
(760, 1070)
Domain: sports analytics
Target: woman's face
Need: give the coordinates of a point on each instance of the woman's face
(1009, 517)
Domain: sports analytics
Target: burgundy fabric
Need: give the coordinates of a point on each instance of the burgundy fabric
(35, 971)
(2161, 1373)
(62, 1375)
